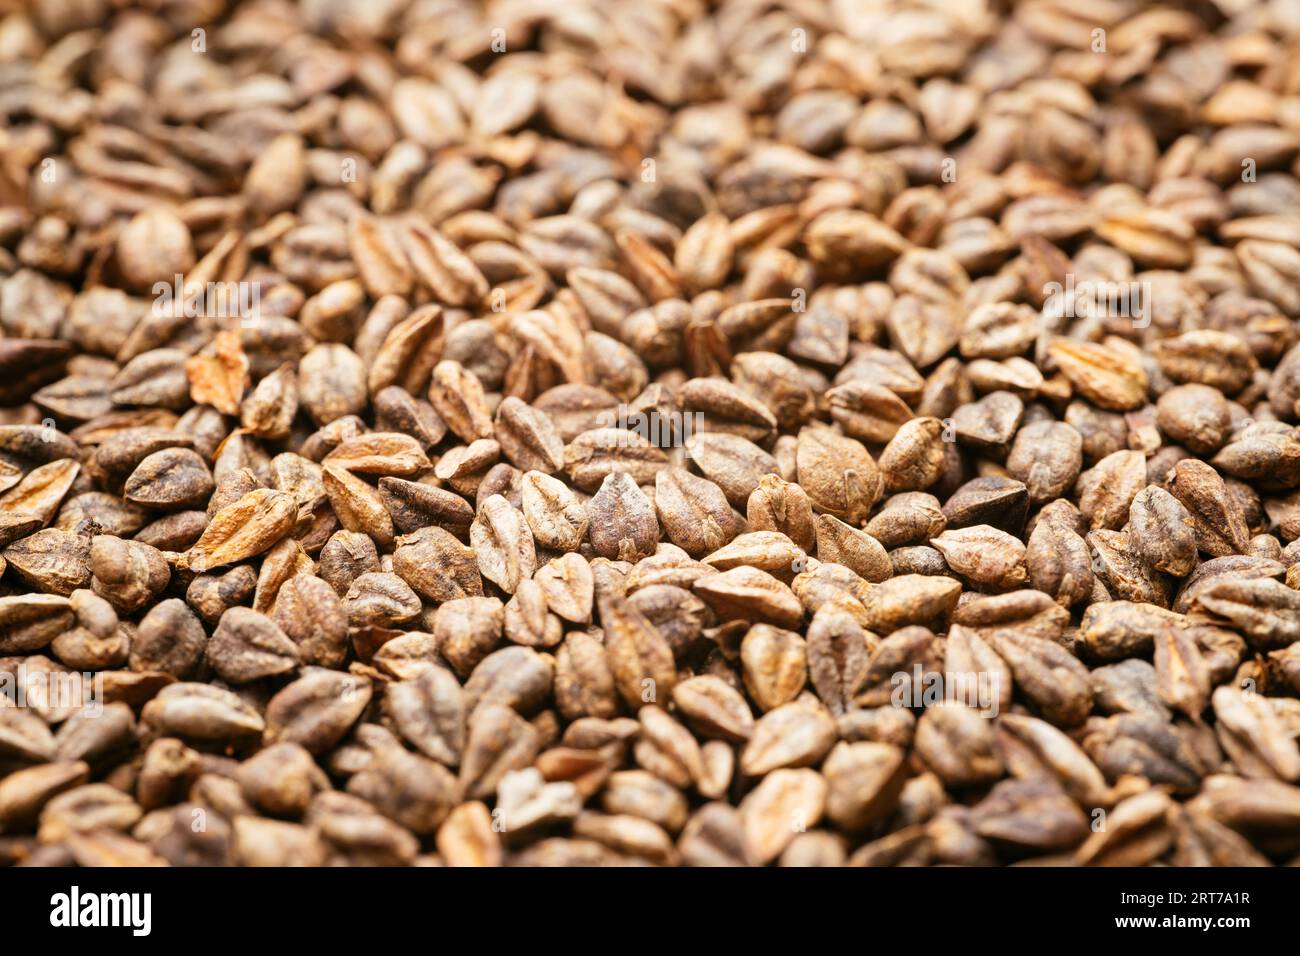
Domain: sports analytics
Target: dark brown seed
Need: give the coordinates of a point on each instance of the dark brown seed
(413, 505)
(998, 502)
(317, 709)
(247, 645)
(170, 639)
(640, 658)
(693, 512)
(839, 648)
(621, 520)
(429, 713)
(311, 615)
(1220, 526)
(1047, 457)
(1161, 532)
(436, 565)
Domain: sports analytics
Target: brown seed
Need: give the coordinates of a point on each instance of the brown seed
(1220, 526)
(864, 782)
(839, 649)
(1182, 679)
(867, 411)
(244, 529)
(57, 562)
(958, 744)
(503, 544)
(714, 708)
(357, 505)
(621, 520)
(907, 518)
(839, 543)
(25, 736)
(568, 586)
(584, 681)
(1106, 491)
(1049, 676)
(1195, 416)
(694, 512)
(909, 599)
(41, 491)
(398, 410)
(704, 254)
(748, 594)
(1104, 375)
(436, 565)
(528, 621)
(218, 375)
(557, 518)
(985, 556)
(467, 837)
(426, 789)
(1267, 454)
(247, 645)
(1265, 611)
(515, 677)
(786, 802)
(797, 734)
(201, 712)
(1251, 734)
(1059, 563)
(1033, 814)
(173, 478)
(429, 713)
(317, 709)
(127, 573)
(457, 397)
(1125, 575)
(1047, 457)
(779, 505)
(211, 594)
(25, 792)
(1161, 532)
(989, 423)
(838, 474)
(390, 454)
(467, 629)
(774, 665)
(169, 639)
(639, 657)
(528, 438)
(380, 600)
(309, 611)
(413, 505)
(331, 383)
(915, 457)
(594, 455)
